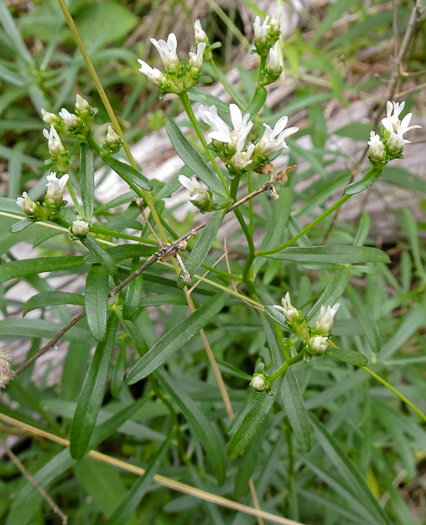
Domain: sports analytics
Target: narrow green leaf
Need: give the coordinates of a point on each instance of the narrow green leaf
(162, 299)
(125, 251)
(133, 293)
(364, 228)
(173, 340)
(366, 319)
(192, 158)
(87, 184)
(127, 172)
(44, 299)
(404, 179)
(296, 411)
(369, 178)
(348, 470)
(347, 356)
(199, 423)
(247, 464)
(26, 267)
(257, 102)
(254, 419)
(21, 225)
(100, 254)
(75, 367)
(276, 315)
(337, 254)
(332, 293)
(117, 379)
(92, 394)
(202, 246)
(96, 300)
(139, 488)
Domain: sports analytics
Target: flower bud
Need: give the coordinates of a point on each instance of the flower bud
(199, 194)
(82, 105)
(291, 313)
(260, 382)
(6, 373)
(200, 34)
(80, 228)
(273, 66)
(112, 142)
(56, 148)
(49, 118)
(55, 190)
(71, 121)
(318, 344)
(196, 59)
(167, 51)
(28, 206)
(376, 152)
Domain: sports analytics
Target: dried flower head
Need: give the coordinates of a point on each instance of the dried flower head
(6, 373)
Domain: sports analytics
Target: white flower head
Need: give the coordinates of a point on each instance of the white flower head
(324, 323)
(80, 227)
(404, 125)
(289, 311)
(71, 121)
(56, 148)
(318, 344)
(273, 65)
(112, 139)
(274, 139)
(200, 34)
(376, 152)
(259, 382)
(81, 104)
(55, 189)
(28, 206)
(261, 31)
(196, 59)
(395, 143)
(242, 159)
(6, 373)
(167, 52)
(49, 118)
(221, 132)
(198, 192)
(393, 110)
(153, 74)
(275, 23)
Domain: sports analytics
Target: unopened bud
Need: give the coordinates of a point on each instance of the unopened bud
(318, 344)
(259, 382)
(49, 118)
(80, 228)
(55, 189)
(112, 142)
(71, 121)
(81, 104)
(324, 323)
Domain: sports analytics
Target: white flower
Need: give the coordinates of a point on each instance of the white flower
(220, 130)
(55, 188)
(27, 205)
(242, 159)
(200, 34)
(80, 227)
(49, 118)
(196, 59)
(259, 382)
(6, 374)
(167, 52)
(274, 139)
(404, 126)
(275, 24)
(81, 104)
(289, 311)
(273, 66)
(56, 148)
(153, 74)
(198, 192)
(261, 31)
(395, 143)
(392, 120)
(318, 344)
(324, 322)
(376, 151)
(70, 120)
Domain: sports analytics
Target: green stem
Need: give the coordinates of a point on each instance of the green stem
(283, 346)
(118, 235)
(283, 369)
(395, 391)
(307, 228)
(74, 199)
(188, 108)
(250, 203)
(229, 87)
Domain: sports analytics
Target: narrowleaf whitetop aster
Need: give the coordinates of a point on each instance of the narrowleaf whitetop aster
(291, 313)
(56, 148)
(266, 33)
(6, 373)
(274, 139)
(71, 121)
(324, 323)
(199, 194)
(55, 189)
(28, 206)
(376, 152)
(318, 344)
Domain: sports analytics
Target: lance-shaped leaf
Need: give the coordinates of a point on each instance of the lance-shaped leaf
(332, 293)
(96, 300)
(202, 246)
(87, 184)
(43, 299)
(347, 356)
(128, 173)
(125, 251)
(170, 342)
(21, 225)
(367, 320)
(370, 178)
(276, 315)
(337, 254)
(296, 411)
(192, 158)
(27, 267)
(257, 102)
(92, 393)
(100, 254)
(199, 423)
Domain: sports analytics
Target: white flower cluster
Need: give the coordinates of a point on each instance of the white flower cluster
(266, 33)
(231, 144)
(316, 338)
(199, 194)
(390, 143)
(177, 77)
